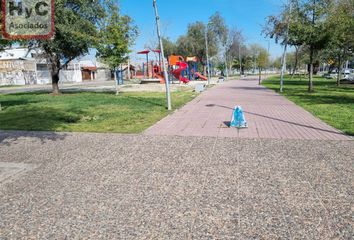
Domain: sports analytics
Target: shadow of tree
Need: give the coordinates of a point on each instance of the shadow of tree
(325, 99)
(153, 101)
(8, 137)
(15, 121)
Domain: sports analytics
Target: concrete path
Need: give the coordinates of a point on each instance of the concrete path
(268, 114)
(110, 186)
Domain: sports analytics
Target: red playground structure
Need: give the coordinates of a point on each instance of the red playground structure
(152, 71)
(178, 61)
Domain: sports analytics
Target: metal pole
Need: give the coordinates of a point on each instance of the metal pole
(283, 68)
(268, 59)
(147, 65)
(167, 82)
(116, 80)
(207, 53)
(239, 58)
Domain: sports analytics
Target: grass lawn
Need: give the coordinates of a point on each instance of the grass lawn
(86, 112)
(334, 105)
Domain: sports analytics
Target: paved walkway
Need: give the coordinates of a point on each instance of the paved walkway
(111, 186)
(268, 114)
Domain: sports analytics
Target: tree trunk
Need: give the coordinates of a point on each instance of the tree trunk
(260, 76)
(55, 68)
(296, 61)
(55, 83)
(310, 86)
(339, 70)
(230, 68)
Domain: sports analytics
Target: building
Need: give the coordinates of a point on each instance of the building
(23, 66)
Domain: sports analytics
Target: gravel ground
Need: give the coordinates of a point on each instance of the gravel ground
(111, 186)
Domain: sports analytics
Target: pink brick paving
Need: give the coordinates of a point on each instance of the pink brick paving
(269, 115)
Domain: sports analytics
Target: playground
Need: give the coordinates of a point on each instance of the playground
(180, 70)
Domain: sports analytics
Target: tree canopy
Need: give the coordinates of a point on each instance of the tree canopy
(318, 25)
(116, 34)
(84, 24)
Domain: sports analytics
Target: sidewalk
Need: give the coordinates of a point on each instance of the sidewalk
(112, 186)
(269, 116)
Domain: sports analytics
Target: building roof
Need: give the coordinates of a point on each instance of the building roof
(144, 52)
(15, 53)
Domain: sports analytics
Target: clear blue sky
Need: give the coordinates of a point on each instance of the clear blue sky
(246, 15)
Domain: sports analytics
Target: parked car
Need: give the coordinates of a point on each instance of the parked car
(331, 75)
(348, 74)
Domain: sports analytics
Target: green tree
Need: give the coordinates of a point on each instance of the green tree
(184, 46)
(309, 27)
(235, 48)
(247, 60)
(276, 63)
(76, 30)
(170, 47)
(3, 42)
(193, 43)
(341, 28)
(304, 23)
(116, 34)
(220, 31)
(262, 61)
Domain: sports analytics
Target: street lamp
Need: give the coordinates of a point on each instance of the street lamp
(207, 52)
(283, 67)
(268, 58)
(167, 82)
(239, 58)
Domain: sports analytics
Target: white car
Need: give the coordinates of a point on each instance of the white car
(348, 74)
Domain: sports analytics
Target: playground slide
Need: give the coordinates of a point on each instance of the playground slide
(178, 72)
(201, 76)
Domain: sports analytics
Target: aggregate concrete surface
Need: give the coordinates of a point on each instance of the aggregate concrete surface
(111, 186)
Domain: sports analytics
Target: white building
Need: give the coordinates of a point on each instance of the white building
(21, 66)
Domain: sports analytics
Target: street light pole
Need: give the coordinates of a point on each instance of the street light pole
(239, 58)
(207, 52)
(283, 67)
(268, 65)
(167, 82)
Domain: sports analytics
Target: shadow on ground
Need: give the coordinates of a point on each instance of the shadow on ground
(10, 137)
(276, 119)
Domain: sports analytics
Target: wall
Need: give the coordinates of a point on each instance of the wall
(103, 75)
(17, 72)
(67, 76)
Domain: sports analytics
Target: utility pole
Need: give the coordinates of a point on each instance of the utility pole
(283, 68)
(239, 58)
(167, 82)
(268, 65)
(129, 76)
(207, 52)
